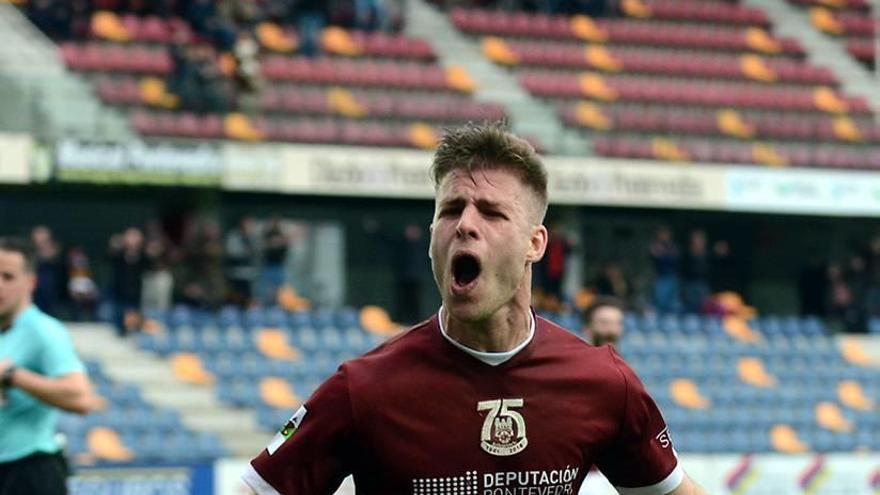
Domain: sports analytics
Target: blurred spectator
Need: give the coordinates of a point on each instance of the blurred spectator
(50, 270)
(242, 261)
(310, 17)
(201, 280)
(665, 257)
(53, 17)
(81, 287)
(129, 263)
(856, 278)
(696, 273)
(275, 246)
(603, 321)
(158, 282)
(247, 70)
(813, 286)
(724, 274)
(612, 282)
(555, 258)
(872, 258)
(370, 15)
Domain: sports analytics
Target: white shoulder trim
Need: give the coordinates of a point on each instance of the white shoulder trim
(256, 482)
(667, 485)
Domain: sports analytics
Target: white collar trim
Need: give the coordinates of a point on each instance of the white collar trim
(490, 358)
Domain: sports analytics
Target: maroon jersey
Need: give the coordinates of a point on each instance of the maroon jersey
(418, 416)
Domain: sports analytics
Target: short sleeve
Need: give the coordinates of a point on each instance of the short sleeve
(310, 454)
(58, 357)
(641, 460)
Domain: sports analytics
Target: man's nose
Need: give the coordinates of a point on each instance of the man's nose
(467, 223)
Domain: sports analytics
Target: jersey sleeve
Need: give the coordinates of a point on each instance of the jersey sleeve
(641, 460)
(58, 356)
(310, 454)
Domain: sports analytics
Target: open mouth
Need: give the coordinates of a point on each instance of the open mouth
(465, 270)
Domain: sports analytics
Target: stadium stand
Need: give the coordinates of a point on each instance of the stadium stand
(130, 429)
(720, 385)
(682, 81)
(848, 21)
(363, 88)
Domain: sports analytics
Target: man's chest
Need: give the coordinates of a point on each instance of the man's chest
(533, 434)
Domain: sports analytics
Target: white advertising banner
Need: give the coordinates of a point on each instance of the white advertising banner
(764, 474)
(397, 173)
(16, 151)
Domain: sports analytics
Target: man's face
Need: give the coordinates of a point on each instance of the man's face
(606, 326)
(16, 283)
(484, 236)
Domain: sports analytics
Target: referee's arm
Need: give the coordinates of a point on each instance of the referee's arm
(688, 487)
(71, 392)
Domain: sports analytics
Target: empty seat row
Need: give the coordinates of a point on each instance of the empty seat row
(300, 130)
(689, 92)
(656, 119)
(665, 61)
(707, 151)
(623, 31)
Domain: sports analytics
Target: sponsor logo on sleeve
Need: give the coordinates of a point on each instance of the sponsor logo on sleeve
(287, 430)
(664, 438)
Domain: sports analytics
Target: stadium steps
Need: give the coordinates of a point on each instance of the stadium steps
(198, 406)
(529, 117)
(822, 51)
(40, 96)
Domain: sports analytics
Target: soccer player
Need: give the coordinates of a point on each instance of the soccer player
(603, 321)
(485, 397)
(39, 374)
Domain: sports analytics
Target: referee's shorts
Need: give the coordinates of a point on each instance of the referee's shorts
(37, 474)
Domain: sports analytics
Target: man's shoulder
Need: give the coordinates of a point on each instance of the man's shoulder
(561, 343)
(42, 323)
(399, 350)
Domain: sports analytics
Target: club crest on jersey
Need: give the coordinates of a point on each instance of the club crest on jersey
(504, 430)
(287, 430)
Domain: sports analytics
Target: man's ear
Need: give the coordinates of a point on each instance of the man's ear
(31, 280)
(537, 243)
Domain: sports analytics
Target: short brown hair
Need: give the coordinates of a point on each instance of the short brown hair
(490, 145)
(601, 302)
(22, 247)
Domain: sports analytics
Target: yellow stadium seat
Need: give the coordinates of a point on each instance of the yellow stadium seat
(760, 41)
(376, 320)
(423, 136)
(594, 86)
(458, 79)
(751, 371)
(737, 328)
(290, 300)
(755, 67)
(635, 8)
(825, 21)
(497, 50)
(272, 342)
(731, 123)
(600, 58)
(784, 439)
(276, 392)
(830, 417)
(239, 126)
(106, 444)
(827, 100)
(685, 393)
(852, 351)
(344, 103)
(108, 26)
(337, 40)
(846, 130)
(590, 115)
(852, 395)
(188, 368)
(586, 29)
(273, 38)
(666, 149)
(766, 154)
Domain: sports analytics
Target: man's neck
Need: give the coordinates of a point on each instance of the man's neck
(7, 320)
(503, 332)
